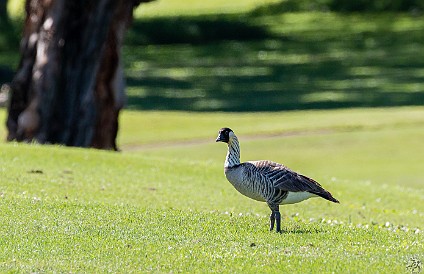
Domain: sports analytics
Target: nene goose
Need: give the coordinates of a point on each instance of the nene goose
(267, 181)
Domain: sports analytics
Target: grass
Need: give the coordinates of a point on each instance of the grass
(284, 61)
(162, 126)
(165, 205)
(174, 8)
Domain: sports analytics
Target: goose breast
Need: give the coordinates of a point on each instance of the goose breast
(243, 183)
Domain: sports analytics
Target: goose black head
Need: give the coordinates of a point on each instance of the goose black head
(224, 135)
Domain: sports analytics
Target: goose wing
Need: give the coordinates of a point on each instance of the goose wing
(287, 180)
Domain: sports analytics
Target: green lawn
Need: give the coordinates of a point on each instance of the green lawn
(271, 62)
(164, 8)
(164, 205)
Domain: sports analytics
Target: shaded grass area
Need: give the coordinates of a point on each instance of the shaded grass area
(280, 62)
(413, 6)
(195, 30)
(9, 45)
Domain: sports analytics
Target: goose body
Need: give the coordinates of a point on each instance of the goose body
(267, 181)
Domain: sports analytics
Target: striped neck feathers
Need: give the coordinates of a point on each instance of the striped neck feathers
(233, 154)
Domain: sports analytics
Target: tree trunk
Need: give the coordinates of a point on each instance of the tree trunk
(69, 87)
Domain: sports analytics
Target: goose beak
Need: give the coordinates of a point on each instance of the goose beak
(220, 138)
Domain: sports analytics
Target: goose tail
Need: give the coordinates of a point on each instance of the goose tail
(327, 195)
(317, 189)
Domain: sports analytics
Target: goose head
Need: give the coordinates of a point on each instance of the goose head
(225, 135)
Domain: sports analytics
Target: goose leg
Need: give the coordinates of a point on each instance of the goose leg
(272, 221)
(275, 217)
(278, 219)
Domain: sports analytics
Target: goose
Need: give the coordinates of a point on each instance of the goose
(267, 181)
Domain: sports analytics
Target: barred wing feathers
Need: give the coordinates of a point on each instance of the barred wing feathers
(287, 180)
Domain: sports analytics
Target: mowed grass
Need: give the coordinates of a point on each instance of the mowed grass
(165, 206)
(253, 61)
(196, 7)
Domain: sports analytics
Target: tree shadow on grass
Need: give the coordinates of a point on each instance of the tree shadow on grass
(289, 75)
(6, 74)
(246, 63)
(195, 30)
(234, 63)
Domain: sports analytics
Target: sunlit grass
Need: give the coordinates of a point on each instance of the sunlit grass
(161, 127)
(16, 9)
(197, 7)
(163, 204)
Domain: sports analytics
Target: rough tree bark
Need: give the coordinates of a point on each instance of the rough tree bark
(69, 87)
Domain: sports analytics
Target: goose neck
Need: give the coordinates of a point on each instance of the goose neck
(233, 154)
